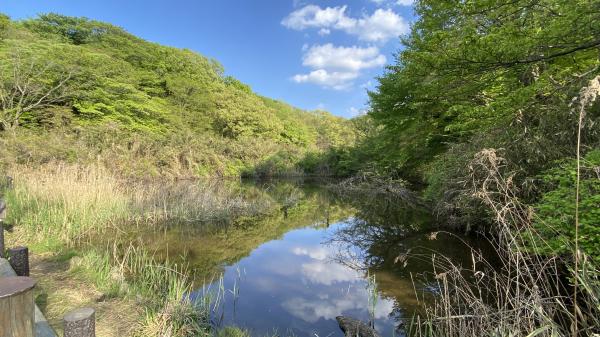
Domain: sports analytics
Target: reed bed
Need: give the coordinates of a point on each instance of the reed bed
(68, 207)
(65, 204)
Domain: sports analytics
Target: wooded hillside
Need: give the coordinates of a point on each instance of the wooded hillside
(79, 90)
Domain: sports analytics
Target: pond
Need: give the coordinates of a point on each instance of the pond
(320, 255)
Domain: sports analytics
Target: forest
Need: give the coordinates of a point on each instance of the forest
(78, 90)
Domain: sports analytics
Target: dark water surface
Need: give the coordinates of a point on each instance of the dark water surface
(322, 255)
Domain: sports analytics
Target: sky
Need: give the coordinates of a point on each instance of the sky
(311, 54)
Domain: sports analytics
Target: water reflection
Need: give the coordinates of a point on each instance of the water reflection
(296, 285)
(312, 259)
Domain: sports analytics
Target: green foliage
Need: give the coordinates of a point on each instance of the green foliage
(172, 110)
(230, 331)
(235, 83)
(555, 211)
(71, 29)
(474, 67)
(4, 24)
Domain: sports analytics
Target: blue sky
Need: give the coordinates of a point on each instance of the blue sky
(311, 54)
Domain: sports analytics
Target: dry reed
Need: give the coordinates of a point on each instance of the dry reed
(523, 294)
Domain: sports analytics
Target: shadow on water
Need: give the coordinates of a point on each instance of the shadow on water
(313, 256)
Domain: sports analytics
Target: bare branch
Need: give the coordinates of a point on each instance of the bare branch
(24, 87)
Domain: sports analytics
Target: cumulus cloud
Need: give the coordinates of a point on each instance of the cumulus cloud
(396, 2)
(352, 59)
(405, 2)
(380, 26)
(312, 16)
(324, 78)
(337, 67)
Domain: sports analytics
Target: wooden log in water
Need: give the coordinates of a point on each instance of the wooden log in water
(19, 260)
(80, 323)
(355, 328)
(17, 309)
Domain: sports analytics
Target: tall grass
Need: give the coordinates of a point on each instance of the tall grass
(62, 203)
(521, 294)
(67, 203)
(60, 206)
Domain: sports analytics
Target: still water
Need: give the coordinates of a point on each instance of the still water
(319, 256)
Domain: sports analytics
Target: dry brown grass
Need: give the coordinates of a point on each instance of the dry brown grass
(522, 294)
(70, 203)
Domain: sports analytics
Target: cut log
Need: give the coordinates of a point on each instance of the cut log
(355, 328)
(17, 308)
(80, 323)
(19, 260)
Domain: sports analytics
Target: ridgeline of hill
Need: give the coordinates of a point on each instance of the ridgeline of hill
(83, 91)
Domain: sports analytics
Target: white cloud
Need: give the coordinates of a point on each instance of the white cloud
(353, 111)
(312, 309)
(324, 31)
(337, 67)
(396, 2)
(367, 85)
(380, 26)
(315, 17)
(351, 59)
(316, 253)
(405, 2)
(321, 272)
(334, 80)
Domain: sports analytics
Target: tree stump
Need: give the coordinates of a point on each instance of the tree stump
(80, 323)
(19, 260)
(17, 309)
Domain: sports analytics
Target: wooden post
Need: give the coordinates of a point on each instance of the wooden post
(2, 217)
(19, 260)
(17, 316)
(2, 209)
(80, 323)
(1, 240)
